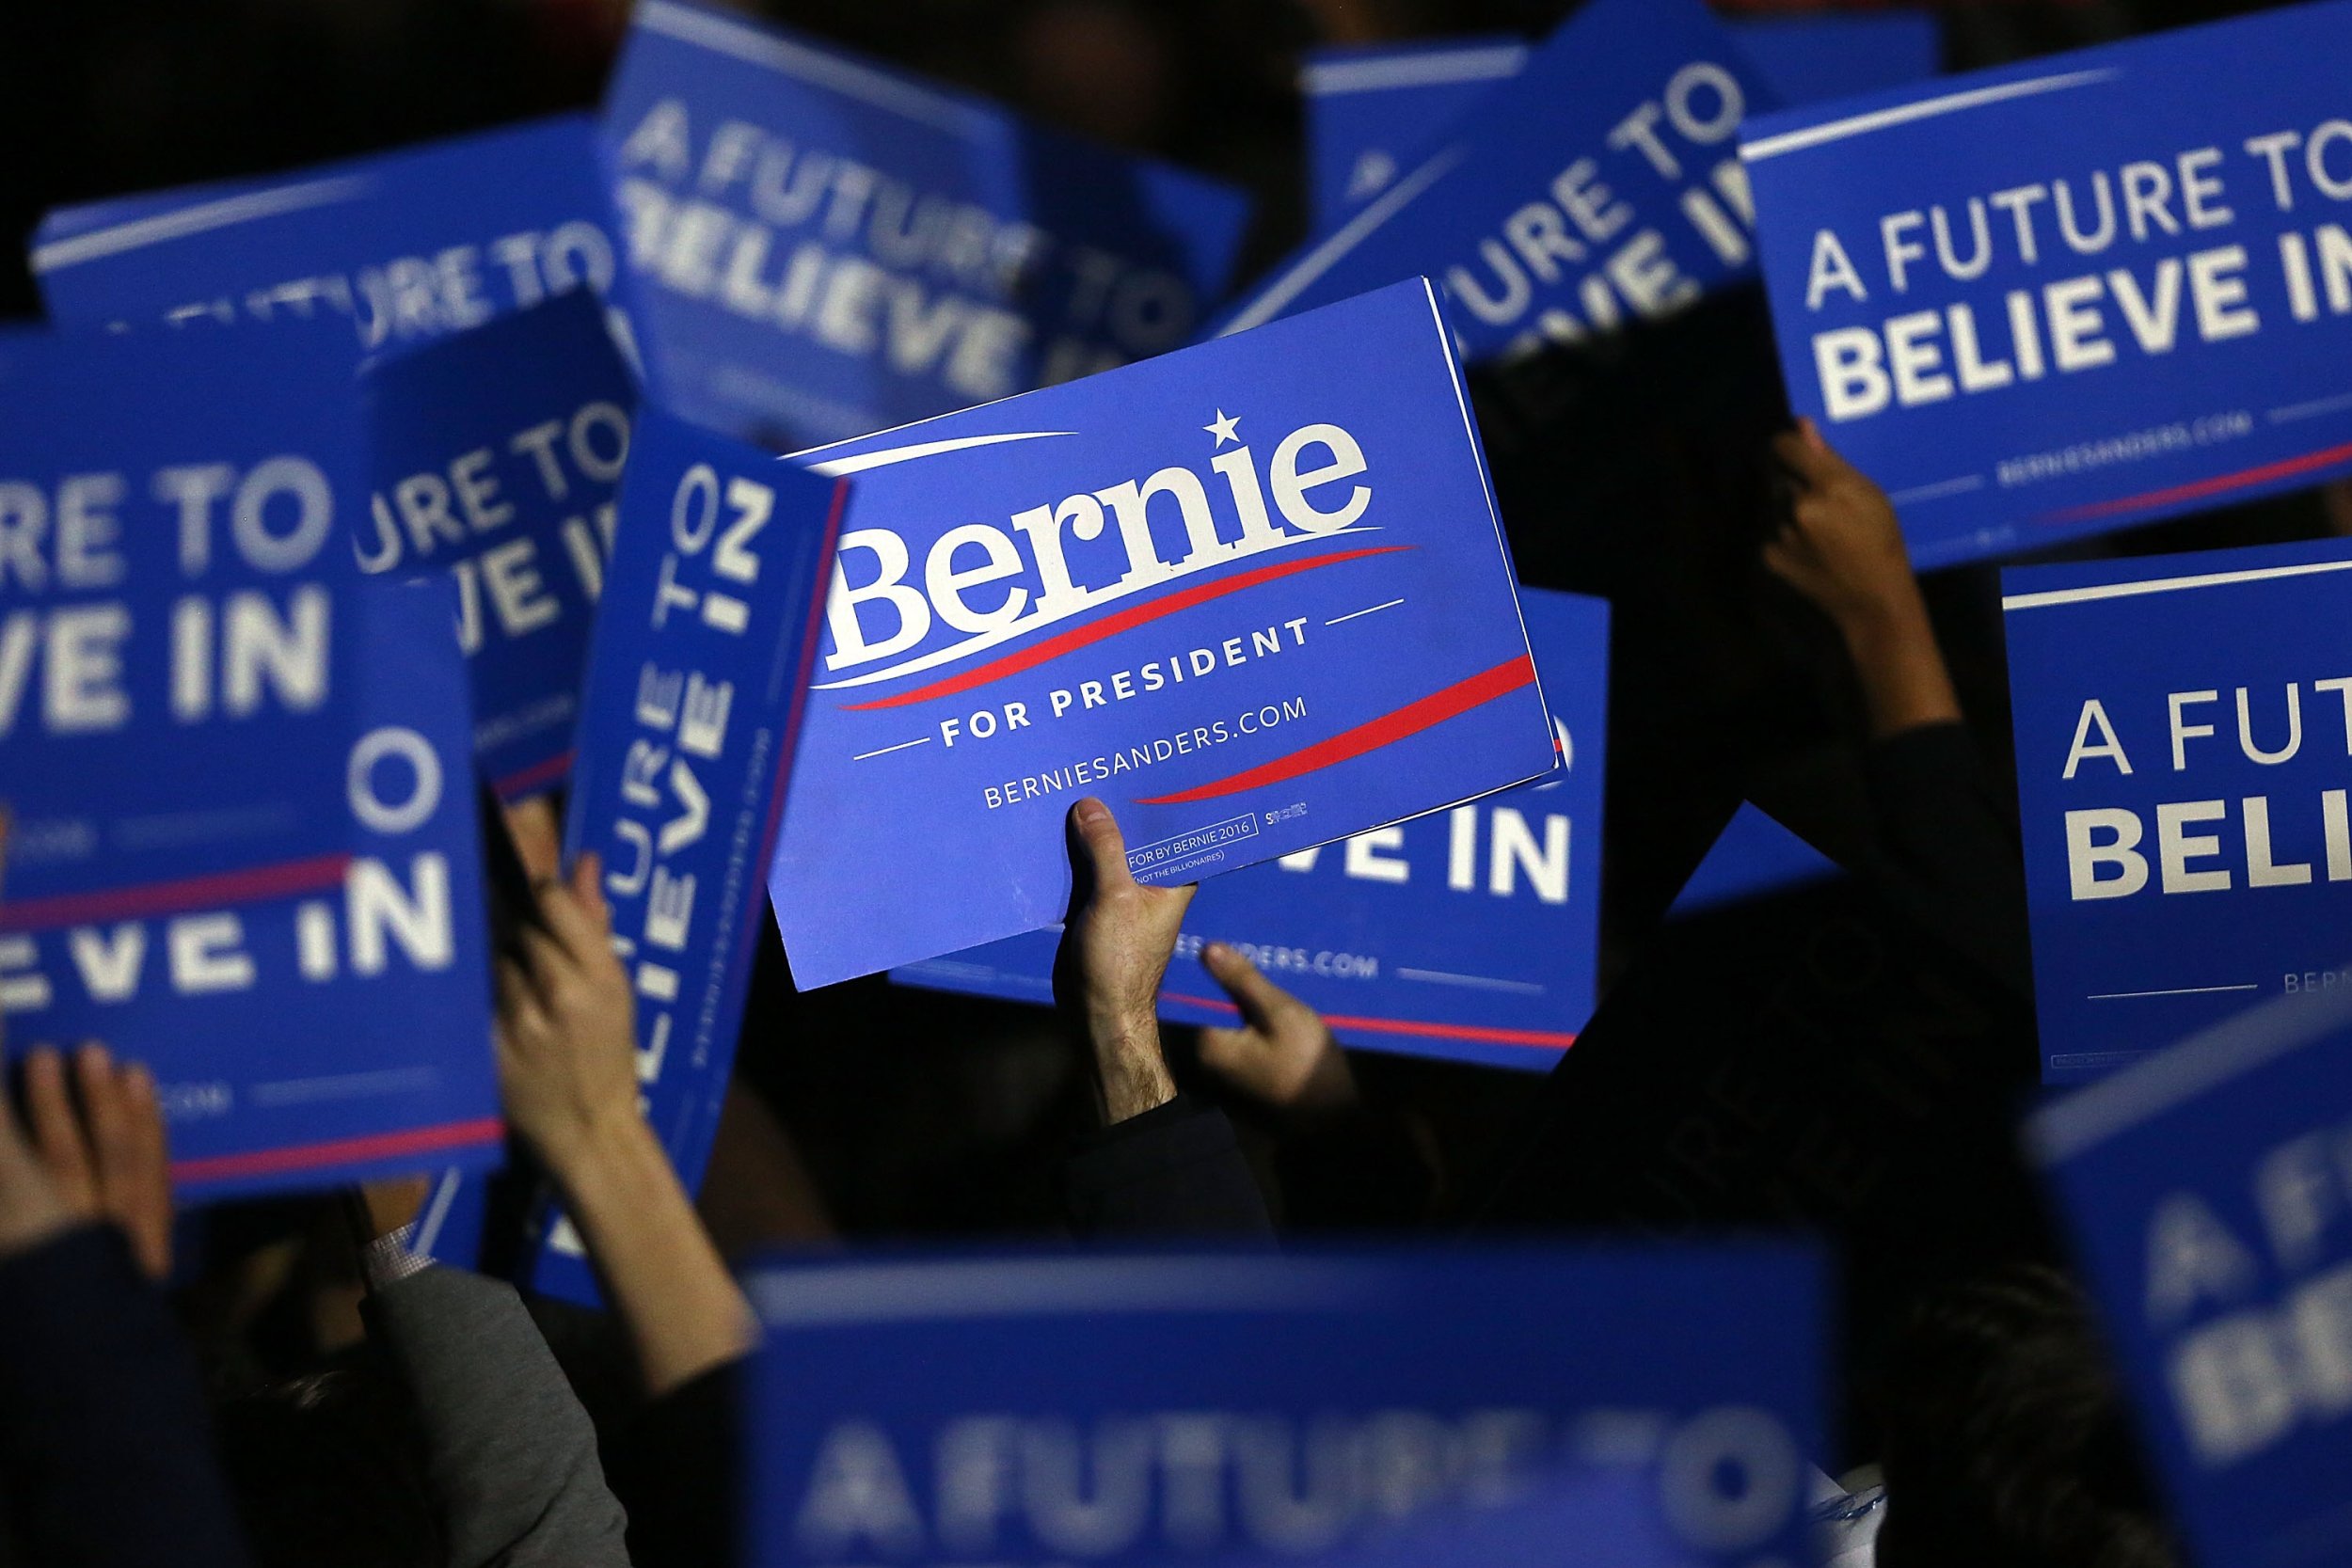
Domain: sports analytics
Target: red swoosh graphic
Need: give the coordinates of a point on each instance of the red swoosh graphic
(193, 893)
(1543, 1038)
(1371, 735)
(524, 780)
(2287, 467)
(1111, 625)
(377, 1146)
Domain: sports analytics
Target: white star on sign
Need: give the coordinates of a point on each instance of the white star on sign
(1223, 427)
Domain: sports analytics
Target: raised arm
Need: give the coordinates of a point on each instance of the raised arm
(1843, 549)
(567, 1066)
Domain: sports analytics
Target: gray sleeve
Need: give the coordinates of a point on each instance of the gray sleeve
(511, 1455)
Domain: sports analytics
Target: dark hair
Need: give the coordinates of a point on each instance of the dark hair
(2007, 1438)
(328, 1472)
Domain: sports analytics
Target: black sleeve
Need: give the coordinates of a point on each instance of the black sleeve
(1945, 853)
(1176, 1170)
(678, 1468)
(106, 1445)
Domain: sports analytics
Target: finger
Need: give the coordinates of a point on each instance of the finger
(521, 1013)
(548, 962)
(56, 1131)
(572, 925)
(146, 1174)
(538, 839)
(105, 1109)
(1258, 997)
(1098, 845)
(1223, 1049)
(588, 887)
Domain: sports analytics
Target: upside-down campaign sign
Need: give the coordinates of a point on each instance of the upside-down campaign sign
(244, 842)
(696, 678)
(406, 245)
(2060, 298)
(829, 246)
(2184, 732)
(1254, 595)
(1371, 107)
(2211, 1198)
(1473, 934)
(498, 456)
(1247, 1407)
(1600, 188)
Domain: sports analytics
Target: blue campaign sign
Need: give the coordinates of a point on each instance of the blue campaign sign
(1223, 1407)
(2210, 1200)
(829, 246)
(1810, 58)
(2183, 731)
(1473, 934)
(1600, 187)
(244, 839)
(408, 246)
(2061, 297)
(1253, 594)
(697, 674)
(498, 456)
(1370, 108)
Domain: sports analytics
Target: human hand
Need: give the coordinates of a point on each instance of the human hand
(1284, 1055)
(31, 1211)
(1114, 947)
(538, 838)
(105, 1157)
(567, 1026)
(1842, 547)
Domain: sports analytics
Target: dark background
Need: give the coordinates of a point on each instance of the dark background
(1640, 476)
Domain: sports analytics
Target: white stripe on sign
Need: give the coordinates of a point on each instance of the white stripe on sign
(815, 67)
(1930, 108)
(2167, 585)
(836, 467)
(1332, 251)
(198, 219)
(1495, 64)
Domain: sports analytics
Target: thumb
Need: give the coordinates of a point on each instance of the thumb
(1252, 993)
(1097, 845)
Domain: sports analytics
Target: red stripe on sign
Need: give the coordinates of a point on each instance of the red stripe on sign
(376, 1146)
(193, 893)
(1410, 719)
(526, 779)
(1546, 1039)
(1111, 625)
(2287, 467)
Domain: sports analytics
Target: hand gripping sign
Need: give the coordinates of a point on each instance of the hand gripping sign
(244, 847)
(829, 246)
(1250, 1408)
(2061, 297)
(1473, 934)
(1253, 594)
(698, 679)
(2183, 731)
(405, 247)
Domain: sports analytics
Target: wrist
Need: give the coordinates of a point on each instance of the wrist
(1894, 619)
(601, 1149)
(1131, 1071)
